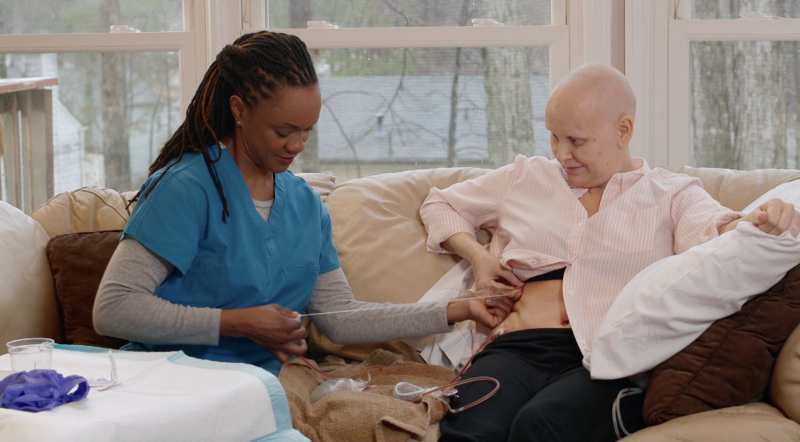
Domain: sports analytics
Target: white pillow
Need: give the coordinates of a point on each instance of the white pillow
(669, 304)
(27, 301)
(788, 192)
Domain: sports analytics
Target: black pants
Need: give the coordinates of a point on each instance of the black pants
(545, 394)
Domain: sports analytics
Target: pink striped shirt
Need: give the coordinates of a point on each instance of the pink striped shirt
(538, 225)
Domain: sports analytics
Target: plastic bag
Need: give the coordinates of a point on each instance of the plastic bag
(341, 384)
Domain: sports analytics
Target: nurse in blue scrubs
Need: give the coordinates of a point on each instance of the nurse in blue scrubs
(225, 245)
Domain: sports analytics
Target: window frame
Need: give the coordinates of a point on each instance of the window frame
(657, 63)
(556, 36)
(190, 44)
(681, 35)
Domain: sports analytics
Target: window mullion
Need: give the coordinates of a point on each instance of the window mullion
(63, 43)
(737, 30)
(430, 36)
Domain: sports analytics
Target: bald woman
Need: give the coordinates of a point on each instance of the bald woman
(571, 232)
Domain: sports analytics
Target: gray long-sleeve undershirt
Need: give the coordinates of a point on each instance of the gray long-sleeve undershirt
(127, 308)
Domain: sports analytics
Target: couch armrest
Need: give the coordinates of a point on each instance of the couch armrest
(745, 423)
(87, 209)
(785, 383)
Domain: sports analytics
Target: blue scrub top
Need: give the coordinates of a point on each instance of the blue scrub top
(244, 262)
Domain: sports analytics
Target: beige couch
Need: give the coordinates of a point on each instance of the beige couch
(380, 240)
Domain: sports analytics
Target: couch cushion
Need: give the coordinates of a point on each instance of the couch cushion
(91, 208)
(746, 423)
(78, 261)
(380, 236)
(322, 183)
(381, 243)
(27, 304)
(84, 210)
(736, 189)
(730, 363)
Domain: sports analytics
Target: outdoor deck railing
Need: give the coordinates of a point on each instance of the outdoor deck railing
(26, 141)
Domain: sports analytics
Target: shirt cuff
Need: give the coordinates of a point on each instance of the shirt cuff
(723, 219)
(445, 225)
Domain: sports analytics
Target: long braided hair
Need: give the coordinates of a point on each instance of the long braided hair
(255, 67)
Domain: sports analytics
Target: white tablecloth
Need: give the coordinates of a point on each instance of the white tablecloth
(161, 396)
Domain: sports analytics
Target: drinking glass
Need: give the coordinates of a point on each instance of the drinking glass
(31, 354)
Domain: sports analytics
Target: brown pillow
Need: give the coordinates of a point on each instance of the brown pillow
(77, 261)
(731, 362)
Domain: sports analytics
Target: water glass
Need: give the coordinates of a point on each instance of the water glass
(31, 354)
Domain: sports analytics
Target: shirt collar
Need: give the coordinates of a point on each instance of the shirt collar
(626, 178)
(622, 180)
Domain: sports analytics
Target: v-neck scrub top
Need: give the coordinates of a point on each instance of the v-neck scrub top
(243, 262)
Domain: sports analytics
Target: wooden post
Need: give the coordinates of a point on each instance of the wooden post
(38, 117)
(15, 182)
(26, 110)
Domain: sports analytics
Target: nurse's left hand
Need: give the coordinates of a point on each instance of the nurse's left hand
(488, 311)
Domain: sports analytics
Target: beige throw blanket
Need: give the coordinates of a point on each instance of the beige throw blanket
(370, 415)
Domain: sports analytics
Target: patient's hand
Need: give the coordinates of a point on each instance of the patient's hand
(773, 217)
(490, 273)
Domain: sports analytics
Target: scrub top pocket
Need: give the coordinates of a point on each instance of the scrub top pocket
(299, 282)
(300, 275)
(226, 287)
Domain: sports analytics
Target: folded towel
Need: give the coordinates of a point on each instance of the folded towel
(370, 415)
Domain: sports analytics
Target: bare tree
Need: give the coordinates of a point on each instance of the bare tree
(451, 133)
(711, 103)
(115, 128)
(308, 161)
(740, 101)
(794, 50)
(793, 104)
(507, 73)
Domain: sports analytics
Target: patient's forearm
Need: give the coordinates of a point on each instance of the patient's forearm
(730, 226)
(371, 322)
(464, 245)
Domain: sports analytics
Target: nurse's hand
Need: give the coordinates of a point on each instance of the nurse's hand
(272, 326)
(489, 309)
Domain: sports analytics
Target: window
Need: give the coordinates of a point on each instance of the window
(421, 83)
(89, 16)
(734, 78)
(405, 13)
(407, 83)
(82, 104)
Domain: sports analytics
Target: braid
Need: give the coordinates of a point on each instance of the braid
(255, 67)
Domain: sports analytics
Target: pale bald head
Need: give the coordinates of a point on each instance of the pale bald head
(599, 86)
(590, 119)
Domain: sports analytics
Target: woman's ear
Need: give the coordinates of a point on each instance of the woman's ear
(625, 127)
(238, 107)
